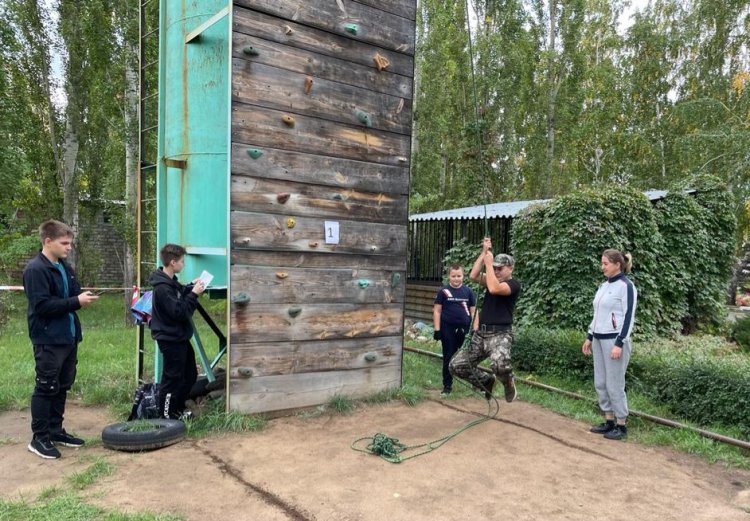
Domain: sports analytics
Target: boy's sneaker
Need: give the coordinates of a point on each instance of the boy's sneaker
(603, 428)
(618, 433)
(43, 448)
(446, 391)
(63, 438)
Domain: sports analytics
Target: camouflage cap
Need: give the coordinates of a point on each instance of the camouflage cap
(502, 259)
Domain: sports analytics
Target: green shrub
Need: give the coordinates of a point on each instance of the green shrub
(741, 333)
(682, 251)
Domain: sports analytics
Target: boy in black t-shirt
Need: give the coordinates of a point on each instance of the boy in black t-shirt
(494, 336)
(454, 307)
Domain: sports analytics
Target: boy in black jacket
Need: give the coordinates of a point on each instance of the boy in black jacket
(173, 305)
(54, 295)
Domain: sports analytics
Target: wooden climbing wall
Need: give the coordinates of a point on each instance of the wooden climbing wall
(321, 134)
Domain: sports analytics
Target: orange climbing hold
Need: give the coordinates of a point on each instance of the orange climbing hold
(308, 84)
(381, 62)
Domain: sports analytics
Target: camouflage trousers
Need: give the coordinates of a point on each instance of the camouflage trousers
(496, 346)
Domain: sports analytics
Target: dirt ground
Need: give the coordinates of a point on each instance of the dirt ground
(528, 464)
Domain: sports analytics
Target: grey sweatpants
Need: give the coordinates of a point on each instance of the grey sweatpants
(609, 376)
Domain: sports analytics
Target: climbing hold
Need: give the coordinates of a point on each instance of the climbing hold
(313, 244)
(288, 30)
(254, 153)
(381, 62)
(308, 84)
(371, 357)
(291, 222)
(373, 248)
(363, 117)
(363, 283)
(288, 120)
(338, 197)
(395, 279)
(281, 274)
(245, 371)
(282, 198)
(402, 159)
(351, 29)
(249, 50)
(241, 299)
(294, 312)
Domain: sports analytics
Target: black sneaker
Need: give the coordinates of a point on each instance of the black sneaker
(510, 390)
(43, 448)
(63, 438)
(603, 428)
(620, 432)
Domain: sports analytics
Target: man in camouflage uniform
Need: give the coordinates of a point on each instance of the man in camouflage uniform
(494, 337)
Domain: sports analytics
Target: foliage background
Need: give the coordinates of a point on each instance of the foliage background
(680, 248)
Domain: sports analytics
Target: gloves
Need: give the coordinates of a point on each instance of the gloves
(437, 335)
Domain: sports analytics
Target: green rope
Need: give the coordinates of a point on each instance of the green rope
(390, 449)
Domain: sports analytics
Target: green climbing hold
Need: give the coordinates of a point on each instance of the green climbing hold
(395, 279)
(363, 283)
(338, 197)
(249, 50)
(363, 117)
(245, 371)
(254, 153)
(352, 29)
(371, 357)
(294, 312)
(241, 299)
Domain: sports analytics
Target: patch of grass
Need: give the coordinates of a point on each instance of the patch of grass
(70, 507)
(341, 404)
(86, 478)
(49, 492)
(215, 420)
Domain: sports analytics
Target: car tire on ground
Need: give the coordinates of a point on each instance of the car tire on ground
(141, 435)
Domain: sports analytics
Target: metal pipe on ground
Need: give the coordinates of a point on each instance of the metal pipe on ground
(655, 419)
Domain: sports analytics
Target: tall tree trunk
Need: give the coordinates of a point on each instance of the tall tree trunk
(553, 82)
(70, 182)
(132, 139)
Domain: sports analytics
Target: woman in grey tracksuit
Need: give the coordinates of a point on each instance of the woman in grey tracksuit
(608, 339)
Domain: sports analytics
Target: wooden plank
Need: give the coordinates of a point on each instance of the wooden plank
(404, 8)
(273, 29)
(261, 195)
(284, 392)
(271, 232)
(275, 88)
(316, 356)
(314, 286)
(324, 67)
(260, 127)
(253, 323)
(373, 25)
(318, 260)
(320, 170)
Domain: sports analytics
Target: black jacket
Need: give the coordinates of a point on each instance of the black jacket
(172, 306)
(48, 312)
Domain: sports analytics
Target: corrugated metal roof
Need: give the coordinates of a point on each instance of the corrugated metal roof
(509, 209)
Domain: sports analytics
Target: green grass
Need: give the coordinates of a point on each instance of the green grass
(69, 506)
(100, 468)
(214, 420)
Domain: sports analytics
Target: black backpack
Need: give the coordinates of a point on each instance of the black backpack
(145, 402)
